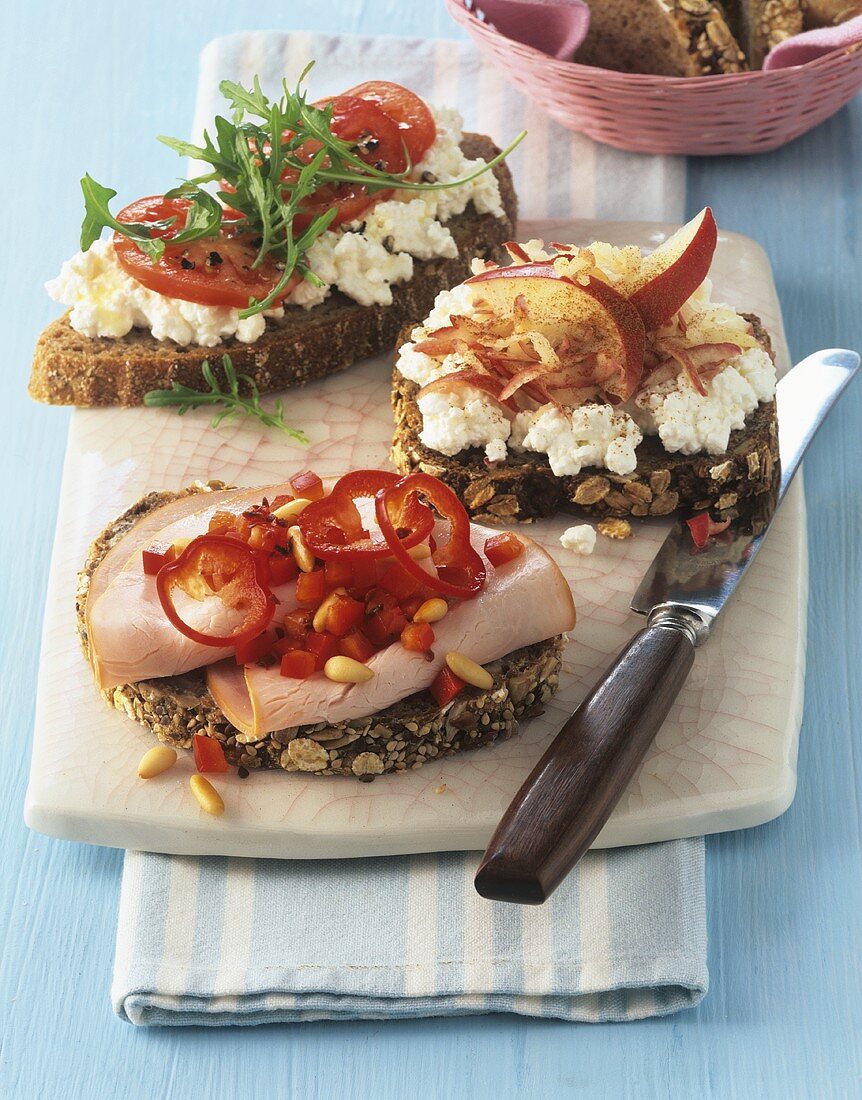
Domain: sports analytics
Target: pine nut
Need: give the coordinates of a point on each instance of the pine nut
(320, 615)
(301, 554)
(292, 508)
(467, 670)
(432, 611)
(157, 760)
(207, 796)
(344, 670)
(420, 552)
(180, 545)
(255, 537)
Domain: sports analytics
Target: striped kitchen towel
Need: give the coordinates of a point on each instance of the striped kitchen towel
(232, 941)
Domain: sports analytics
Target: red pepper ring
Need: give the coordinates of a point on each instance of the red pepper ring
(461, 570)
(225, 567)
(332, 527)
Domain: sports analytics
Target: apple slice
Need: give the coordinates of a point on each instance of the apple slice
(593, 315)
(673, 272)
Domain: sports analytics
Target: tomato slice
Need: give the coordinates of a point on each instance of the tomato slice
(377, 140)
(412, 114)
(332, 527)
(215, 271)
(217, 565)
(460, 570)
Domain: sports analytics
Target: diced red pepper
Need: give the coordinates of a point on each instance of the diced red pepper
(399, 583)
(503, 548)
(286, 644)
(411, 606)
(281, 499)
(307, 485)
(209, 755)
(339, 574)
(323, 646)
(298, 664)
(311, 588)
(248, 652)
(344, 614)
(445, 686)
(298, 623)
(366, 573)
(703, 527)
(356, 645)
(417, 637)
(282, 569)
(384, 626)
(157, 555)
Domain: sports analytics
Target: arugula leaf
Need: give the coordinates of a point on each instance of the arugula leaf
(97, 217)
(234, 403)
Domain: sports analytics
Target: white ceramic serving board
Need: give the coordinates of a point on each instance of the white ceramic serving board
(725, 758)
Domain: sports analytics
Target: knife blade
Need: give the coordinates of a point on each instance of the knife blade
(567, 798)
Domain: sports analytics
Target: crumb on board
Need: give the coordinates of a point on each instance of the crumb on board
(615, 528)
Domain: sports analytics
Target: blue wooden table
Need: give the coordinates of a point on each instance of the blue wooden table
(85, 86)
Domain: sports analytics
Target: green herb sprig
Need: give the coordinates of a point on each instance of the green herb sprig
(233, 403)
(251, 153)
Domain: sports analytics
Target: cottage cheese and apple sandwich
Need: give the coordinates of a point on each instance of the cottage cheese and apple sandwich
(296, 256)
(595, 377)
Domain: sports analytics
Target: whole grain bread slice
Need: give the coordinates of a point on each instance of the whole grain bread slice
(404, 736)
(525, 488)
(664, 37)
(70, 369)
(761, 24)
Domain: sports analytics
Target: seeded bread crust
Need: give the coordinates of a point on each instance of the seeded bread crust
(524, 488)
(665, 37)
(70, 369)
(402, 737)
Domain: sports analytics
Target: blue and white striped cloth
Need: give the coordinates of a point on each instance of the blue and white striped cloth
(231, 941)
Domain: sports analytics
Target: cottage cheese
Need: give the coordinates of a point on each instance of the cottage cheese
(581, 539)
(105, 301)
(363, 260)
(687, 422)
(590, 435)
(453, 422)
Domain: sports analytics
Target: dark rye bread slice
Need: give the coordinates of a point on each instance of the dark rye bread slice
(404, 736)
(664, 37)
(70, 369)
(524, 487)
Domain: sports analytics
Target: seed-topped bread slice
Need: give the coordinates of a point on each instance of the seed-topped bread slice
(525, 488)
(761, 24)
(71, 369)
(405, 735)
(665, 37)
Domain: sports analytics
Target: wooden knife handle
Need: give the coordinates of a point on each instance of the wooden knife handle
(568, 797)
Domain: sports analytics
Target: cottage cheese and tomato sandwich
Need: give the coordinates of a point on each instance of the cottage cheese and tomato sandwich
(597, 377)
(355, 626)
(316, 232)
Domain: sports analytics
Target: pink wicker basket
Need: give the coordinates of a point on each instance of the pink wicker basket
(706, 116)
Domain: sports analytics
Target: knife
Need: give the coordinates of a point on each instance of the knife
(569, 795)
